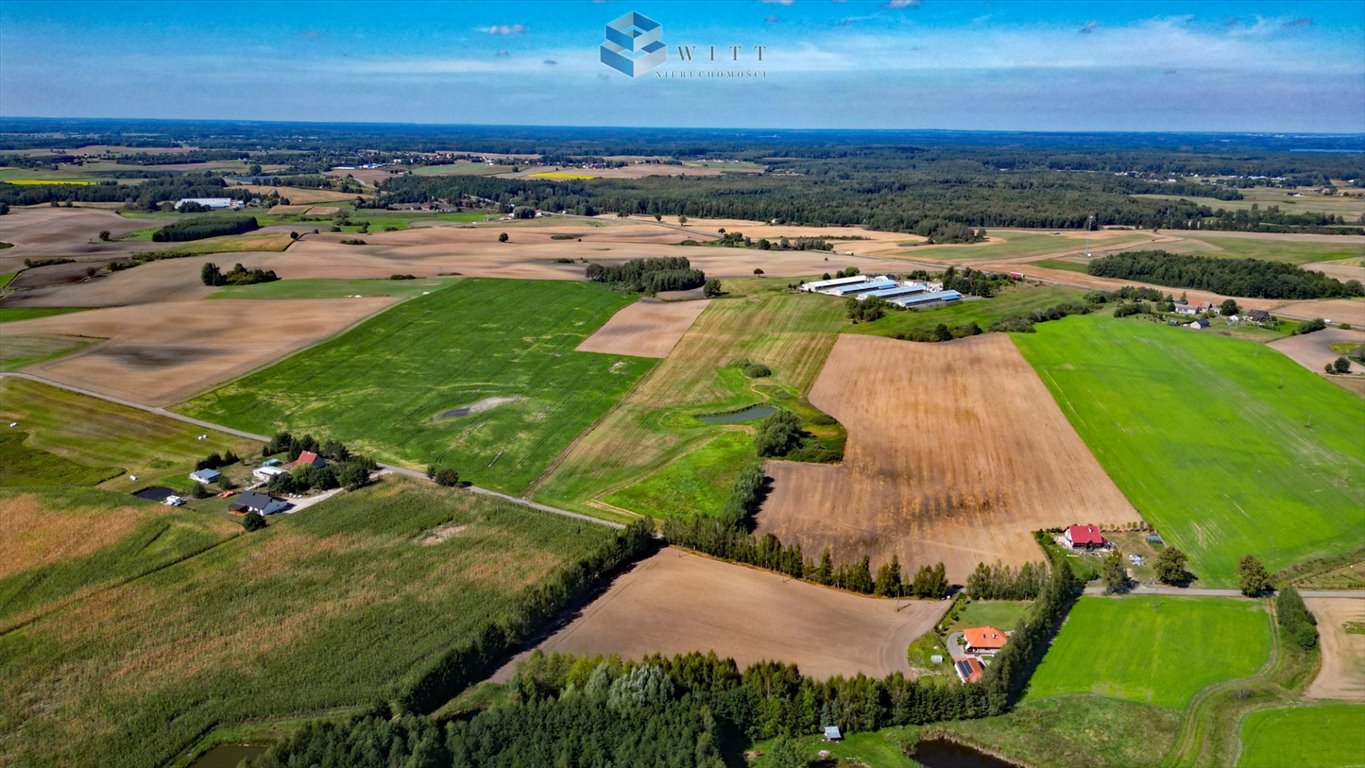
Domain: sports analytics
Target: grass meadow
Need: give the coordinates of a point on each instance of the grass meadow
(20, 350)
(1018, 299)
(330, 288)
(322, 611)
(1018, 243)
(1322, 736)
(1226, 446)
(101, 436)
(15, 314)
(1287, 251)
(1153, 650)
(651, 455)
(381, 386)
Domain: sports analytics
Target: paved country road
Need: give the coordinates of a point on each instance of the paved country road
(1145, 589)
(265, 439)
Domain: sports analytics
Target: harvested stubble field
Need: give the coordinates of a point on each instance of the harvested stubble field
(301, 196)
(162, 353)
(382, 386)
(656, 422)
(1228, 447)
(98, 434)
(1314, 350)
(644, 329)
(677, 602)
(133, 674)
(44, 232)
(1342, 675)
(956, 453)
(1153, 650)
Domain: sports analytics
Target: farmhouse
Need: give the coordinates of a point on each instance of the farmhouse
(1083, 537)
(266, 474)
(1182, 308)
(969, 669)
(308, 457)
(1199, 324)
(1258, 315)
(215, 203)
(983, 640)
(258, 502)
(205, 476)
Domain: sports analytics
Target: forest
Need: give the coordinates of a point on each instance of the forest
(1251, 278)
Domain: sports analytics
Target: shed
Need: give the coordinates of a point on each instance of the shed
(205, 476)
(266, 474)
(832, 733)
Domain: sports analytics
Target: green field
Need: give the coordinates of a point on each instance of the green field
(381, 386)
(1350, 208)
(19, 350)
(1322, 736)
(98, 435)
(1019, 243)
(1001, 614)
(1017, 299)
(652, 455)
(1069, 266)
(22, 466)
(1153, 650)
(1288, 251)
(323, 611)
(1228, 447)
(876, 749)
(326, 288)
(463, 168)
(15, 314)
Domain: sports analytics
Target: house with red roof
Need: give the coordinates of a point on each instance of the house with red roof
(979, 640)
(308, 457)
(969, 669)
(1084, 537)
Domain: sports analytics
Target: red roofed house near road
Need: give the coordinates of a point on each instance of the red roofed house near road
(969, 670)
(983, 640)
(308, 457)
(1078, 536)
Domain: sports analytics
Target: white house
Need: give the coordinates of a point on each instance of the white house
(265, 474)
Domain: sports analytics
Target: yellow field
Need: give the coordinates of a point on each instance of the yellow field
(561, 175)
(46, 182)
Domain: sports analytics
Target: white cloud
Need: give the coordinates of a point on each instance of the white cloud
(902, 3)
(504, 29)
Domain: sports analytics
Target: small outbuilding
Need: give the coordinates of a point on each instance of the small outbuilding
(969, 669)
(266, 474)
(205, 476)
(1199, 324)
(832, 733)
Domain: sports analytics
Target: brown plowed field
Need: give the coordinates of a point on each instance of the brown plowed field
(644, 329)
(1337, 310)
(1314, 350)
(159, 354)
(1343, 654)
(956, 452)
(677, 602)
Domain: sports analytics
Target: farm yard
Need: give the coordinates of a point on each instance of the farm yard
(383, 386)
(656, 423)
(134, 673)
(955, 454)
(163, 356)
(677, 602)
(1255, 455)
(1153, 650)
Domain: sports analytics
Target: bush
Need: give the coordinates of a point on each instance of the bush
(353, 241)
(502, 238)
(1316, 324)
(711, 288)
(757, 370)
(447, 477)
(253, 521)
(402, 277)
(210, 274)
(1296, 622)
(779, 435)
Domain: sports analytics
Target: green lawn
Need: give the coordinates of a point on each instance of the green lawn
(1001, 614)
(327, 288)
(875, 749)
(1069, 266)
(23, 466)
(98, 435)
(1018, 299)
(1322, 736)
(1226, 446)
(1153, 650)
(325, 609)
(380, 386)
(696, 483)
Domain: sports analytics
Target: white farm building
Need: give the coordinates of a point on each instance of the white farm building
(216, 203)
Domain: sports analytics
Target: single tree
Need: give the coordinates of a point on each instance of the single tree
(1113, 573)
(198, 491)
(1170, 567)
(1253, 577)
(353, 475)
(105, 235)
(758, 271)
(682, 219)
(502, 238)
(293, 235)
(711, 288)
(253, 521)
(210, 274)
(888, 581)
(447, 477)
(1341, 365)
(1229, 307)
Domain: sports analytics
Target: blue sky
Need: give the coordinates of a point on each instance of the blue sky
(962, 64)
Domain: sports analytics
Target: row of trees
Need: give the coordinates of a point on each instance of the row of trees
(1297, 623)
(1003, 582)
(666, 273)
(1237, 277)
(211, 274)
(200, 228)
(1023, 323)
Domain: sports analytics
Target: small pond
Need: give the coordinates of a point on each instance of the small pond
(942, 753)
(228, 755)
(752, 413)
(155, 493)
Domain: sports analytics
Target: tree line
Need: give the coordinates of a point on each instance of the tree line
(211, 274)
(665, 273)
(200, 228)
(1252, 278)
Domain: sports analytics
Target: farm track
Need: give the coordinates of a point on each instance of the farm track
(264, 439)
